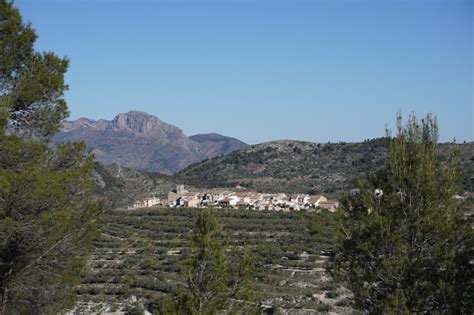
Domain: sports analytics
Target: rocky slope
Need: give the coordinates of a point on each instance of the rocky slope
(294, 166)
(141, 141)
(281, 166)
(213, 144)
(121, 186)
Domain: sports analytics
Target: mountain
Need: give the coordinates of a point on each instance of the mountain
(143, 142)
(213, 144)
(280, 166)
(121, 186)
(295, 166)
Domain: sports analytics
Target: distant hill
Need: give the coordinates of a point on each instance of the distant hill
(121, 186)
(295, 166)
(281, 166)
(213, 144)
(143, 142)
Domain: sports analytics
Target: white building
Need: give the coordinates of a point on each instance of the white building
(146, 202)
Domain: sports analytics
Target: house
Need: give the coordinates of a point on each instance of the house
(152, 201)
(314, 200)
(243, 205)
(138, 204)
(174, 195)
(233, 201)
(245, 199)
(193, 202)
(330, 205)
(172, 198)
(294, 206)
(146, 202)
(187, 200)
(300, 199)
(263, 205)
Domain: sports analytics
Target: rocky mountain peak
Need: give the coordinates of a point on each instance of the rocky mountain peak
(142, 141)
(144, 124)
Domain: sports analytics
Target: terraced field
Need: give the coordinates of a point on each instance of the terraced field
(139, 259)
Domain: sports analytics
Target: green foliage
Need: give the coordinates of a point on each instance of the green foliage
(144, 253)
(135, 310)
(212, 284)
(46, 215)
(297, 167)
(31, 83)
(47, 206)
(324, 227)
(406, 247)
(207, 270)
(122, 186)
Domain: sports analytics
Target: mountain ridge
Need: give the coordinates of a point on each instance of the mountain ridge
(144, 142)
(276, 166)
(299, 166)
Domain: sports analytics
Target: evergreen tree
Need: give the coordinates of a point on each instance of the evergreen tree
(213, 284)
(406, 242)
(207, 270)
(47, 206)
(31, 83)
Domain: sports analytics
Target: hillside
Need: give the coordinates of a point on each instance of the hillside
(141, 141)
(122, 186)
(213, 144)
(140, 259)
(282, 166)
(294, 166)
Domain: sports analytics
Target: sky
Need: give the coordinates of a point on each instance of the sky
(262, 70)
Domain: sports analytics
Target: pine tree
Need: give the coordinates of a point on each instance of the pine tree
(406, 242)
(47, 203)
(213, 283)
(207, 269)
(31, 83)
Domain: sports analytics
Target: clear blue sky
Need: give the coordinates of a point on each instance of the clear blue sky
(265, 70)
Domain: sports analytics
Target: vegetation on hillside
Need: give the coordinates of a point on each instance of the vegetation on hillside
(407, 243)
(402, 243)
(47, 205)
(213, 282)
(295, 166)
(141, 258)
(122, 186)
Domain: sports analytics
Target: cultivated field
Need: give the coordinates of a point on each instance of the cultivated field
(139, 258)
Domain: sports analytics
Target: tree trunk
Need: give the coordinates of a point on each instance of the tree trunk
(4, 300)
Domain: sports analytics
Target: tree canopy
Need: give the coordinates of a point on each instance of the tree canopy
(214, 284)
(47, 202)
(406, 243)
(31, 83)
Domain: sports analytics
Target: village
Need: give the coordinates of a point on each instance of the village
(238, 199)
